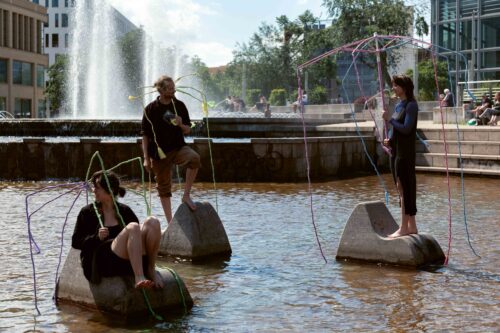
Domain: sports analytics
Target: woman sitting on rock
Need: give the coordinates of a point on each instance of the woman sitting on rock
(120, 246)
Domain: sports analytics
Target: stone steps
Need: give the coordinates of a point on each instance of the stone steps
(491, 148)
(469, 162)
(479, 172)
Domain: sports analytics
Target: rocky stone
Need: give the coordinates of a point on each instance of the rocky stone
(117, 294)
(364, 238)
(195, 234)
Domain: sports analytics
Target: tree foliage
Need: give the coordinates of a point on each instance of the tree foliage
(57, 84)
(427, 79)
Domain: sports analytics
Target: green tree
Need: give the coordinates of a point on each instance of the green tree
(427, 79)
(359, 19)
(132, 48)
(57, 84)
(278, 97)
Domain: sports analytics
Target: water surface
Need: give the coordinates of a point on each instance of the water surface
(276, 279)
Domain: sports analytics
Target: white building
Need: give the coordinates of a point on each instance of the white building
(56, 33)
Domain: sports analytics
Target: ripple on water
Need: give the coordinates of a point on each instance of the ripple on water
(276, 279)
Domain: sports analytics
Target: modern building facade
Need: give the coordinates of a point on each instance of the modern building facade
(471, 27)
(57, 30)
(22, 62)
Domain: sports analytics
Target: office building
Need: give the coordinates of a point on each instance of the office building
(22, 62)
(471, 27)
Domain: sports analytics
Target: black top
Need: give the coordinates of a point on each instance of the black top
(168, 136)
(404, 131)
(86, 235)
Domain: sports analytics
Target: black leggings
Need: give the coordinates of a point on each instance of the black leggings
(404, 169)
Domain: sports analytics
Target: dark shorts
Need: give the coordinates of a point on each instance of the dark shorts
(109, 264)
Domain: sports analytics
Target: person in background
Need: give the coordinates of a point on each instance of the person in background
(491, 114)
(114, 249)
(164, 124)
(402, 143)
(305, 100)
(448, 99)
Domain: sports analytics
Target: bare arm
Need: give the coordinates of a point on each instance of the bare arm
(145, 152)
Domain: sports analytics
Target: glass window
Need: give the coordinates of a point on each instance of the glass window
(36, 1)
(64, 19)
(3, 103)
(490, 7)
(40, 76)
(56, 20)
(447, 34)
(447, 10)
(42, 109)
(465, 35)
(3, 71)
(467, 7)
(66, 40)
(55, 40)
(66, 3)
(26, 68)
(490, 59)
(490, 32)
(22, 108)
(55, 3)
(47, 3)
(21, 73)
(17, 72)
(46, 24)
(46, 40)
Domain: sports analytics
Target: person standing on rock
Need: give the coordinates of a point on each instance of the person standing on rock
(164, 124)
(111, 241)
(402, 143)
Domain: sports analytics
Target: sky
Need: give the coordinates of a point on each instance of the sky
(211, 29)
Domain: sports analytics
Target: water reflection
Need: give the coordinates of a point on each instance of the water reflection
(275, 279)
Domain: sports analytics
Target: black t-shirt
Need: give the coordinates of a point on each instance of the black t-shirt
(168, 136)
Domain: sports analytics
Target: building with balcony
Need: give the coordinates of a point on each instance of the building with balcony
(22, 62)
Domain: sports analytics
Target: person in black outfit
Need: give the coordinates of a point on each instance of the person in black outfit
(114, 249)
(402, 143)
(164, 124)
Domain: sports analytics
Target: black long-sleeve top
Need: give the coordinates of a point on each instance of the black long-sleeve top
(404, 132)
(86, 236)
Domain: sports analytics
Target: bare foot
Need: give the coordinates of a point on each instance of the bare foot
(144, 284)
(398, 233)
(187, 200)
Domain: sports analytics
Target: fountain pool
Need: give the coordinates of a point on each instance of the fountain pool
(276, 279)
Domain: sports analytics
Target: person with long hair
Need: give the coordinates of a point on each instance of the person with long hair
(402, 143)
(120, 246)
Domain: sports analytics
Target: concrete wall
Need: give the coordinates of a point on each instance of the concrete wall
(281, 160)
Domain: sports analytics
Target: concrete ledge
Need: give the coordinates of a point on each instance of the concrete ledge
(195, 234)
(364, 238)
(117, 294)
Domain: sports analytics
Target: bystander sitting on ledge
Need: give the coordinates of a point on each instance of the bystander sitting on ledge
(263, 106)
(297, 102)
(491, 114)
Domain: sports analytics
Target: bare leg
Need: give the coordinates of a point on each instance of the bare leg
(412, 225)
(404, 228)
(190, 177)
(167, 208)
(151, 235)
(128, 245)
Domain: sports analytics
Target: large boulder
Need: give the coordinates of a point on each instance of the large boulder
(117, 294)
(365, 238)
(195, 234)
